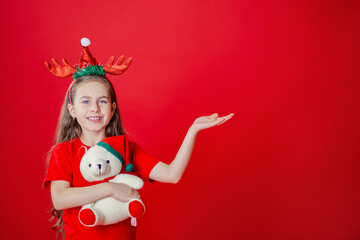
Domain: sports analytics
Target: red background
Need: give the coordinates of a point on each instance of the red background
(285, 167)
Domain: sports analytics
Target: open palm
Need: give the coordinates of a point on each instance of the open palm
(210, 121)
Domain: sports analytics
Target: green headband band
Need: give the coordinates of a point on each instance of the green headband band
(89, 70)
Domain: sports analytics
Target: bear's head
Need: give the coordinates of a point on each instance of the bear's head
(98, 164)
(105, 159)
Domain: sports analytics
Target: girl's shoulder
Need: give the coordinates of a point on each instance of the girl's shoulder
(67, 146)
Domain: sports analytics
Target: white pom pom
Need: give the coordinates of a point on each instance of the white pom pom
(85, 42)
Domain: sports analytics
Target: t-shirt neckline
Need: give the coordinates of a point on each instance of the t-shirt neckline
(83, 143)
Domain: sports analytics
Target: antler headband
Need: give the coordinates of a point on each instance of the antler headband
(87, 60)
(88, 65)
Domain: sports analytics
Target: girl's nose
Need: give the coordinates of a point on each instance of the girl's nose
(95, 108)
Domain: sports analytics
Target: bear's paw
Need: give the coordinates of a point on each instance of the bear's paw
(87, 217)
(136, 208)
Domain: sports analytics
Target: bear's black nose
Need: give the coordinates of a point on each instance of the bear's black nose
(99, 165)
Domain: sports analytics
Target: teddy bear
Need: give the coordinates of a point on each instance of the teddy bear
(104, 162)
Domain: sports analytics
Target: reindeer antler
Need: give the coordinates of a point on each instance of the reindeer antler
(87, 65)
(119, 67)
(58, 71)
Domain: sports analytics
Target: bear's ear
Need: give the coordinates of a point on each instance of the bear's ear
(85, 149)
(82, 150)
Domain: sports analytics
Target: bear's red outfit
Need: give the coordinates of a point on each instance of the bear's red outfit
(64, 165)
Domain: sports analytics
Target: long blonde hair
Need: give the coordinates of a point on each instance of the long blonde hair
(68, 128)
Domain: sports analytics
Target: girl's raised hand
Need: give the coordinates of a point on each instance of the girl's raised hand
(172, 173)
(210, 121)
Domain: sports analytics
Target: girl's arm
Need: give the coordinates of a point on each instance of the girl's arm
(172, 173)
(63, 196)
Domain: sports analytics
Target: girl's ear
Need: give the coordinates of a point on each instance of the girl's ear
(113, 108)
(71, 110)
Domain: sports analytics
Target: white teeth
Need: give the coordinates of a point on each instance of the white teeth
(94, 118)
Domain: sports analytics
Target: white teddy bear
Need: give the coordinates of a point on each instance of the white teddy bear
(100, 162)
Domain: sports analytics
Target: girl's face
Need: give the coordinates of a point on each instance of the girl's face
(92, 107)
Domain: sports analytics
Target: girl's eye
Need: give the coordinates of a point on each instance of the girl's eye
(85, 102)
(89, 165)
(103, 101)
(107, 161)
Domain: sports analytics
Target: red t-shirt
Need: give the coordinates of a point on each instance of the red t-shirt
(64, 165)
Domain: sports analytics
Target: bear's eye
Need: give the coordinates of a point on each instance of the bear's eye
(89, 165)
(107, 161)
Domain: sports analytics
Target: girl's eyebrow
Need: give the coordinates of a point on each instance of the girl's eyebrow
(88, 97)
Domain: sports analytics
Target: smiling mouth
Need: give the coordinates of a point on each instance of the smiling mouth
(94, 118)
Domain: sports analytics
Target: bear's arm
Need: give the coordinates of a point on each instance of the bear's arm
(130, 180)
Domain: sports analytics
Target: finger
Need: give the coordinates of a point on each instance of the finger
(135, 194)
(111, 60)
(221, 122)
(228, 116)
(211, 117)
(134, 191)
(215, 115)
(224, 119)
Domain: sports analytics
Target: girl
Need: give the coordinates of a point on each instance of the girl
(89, 114)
